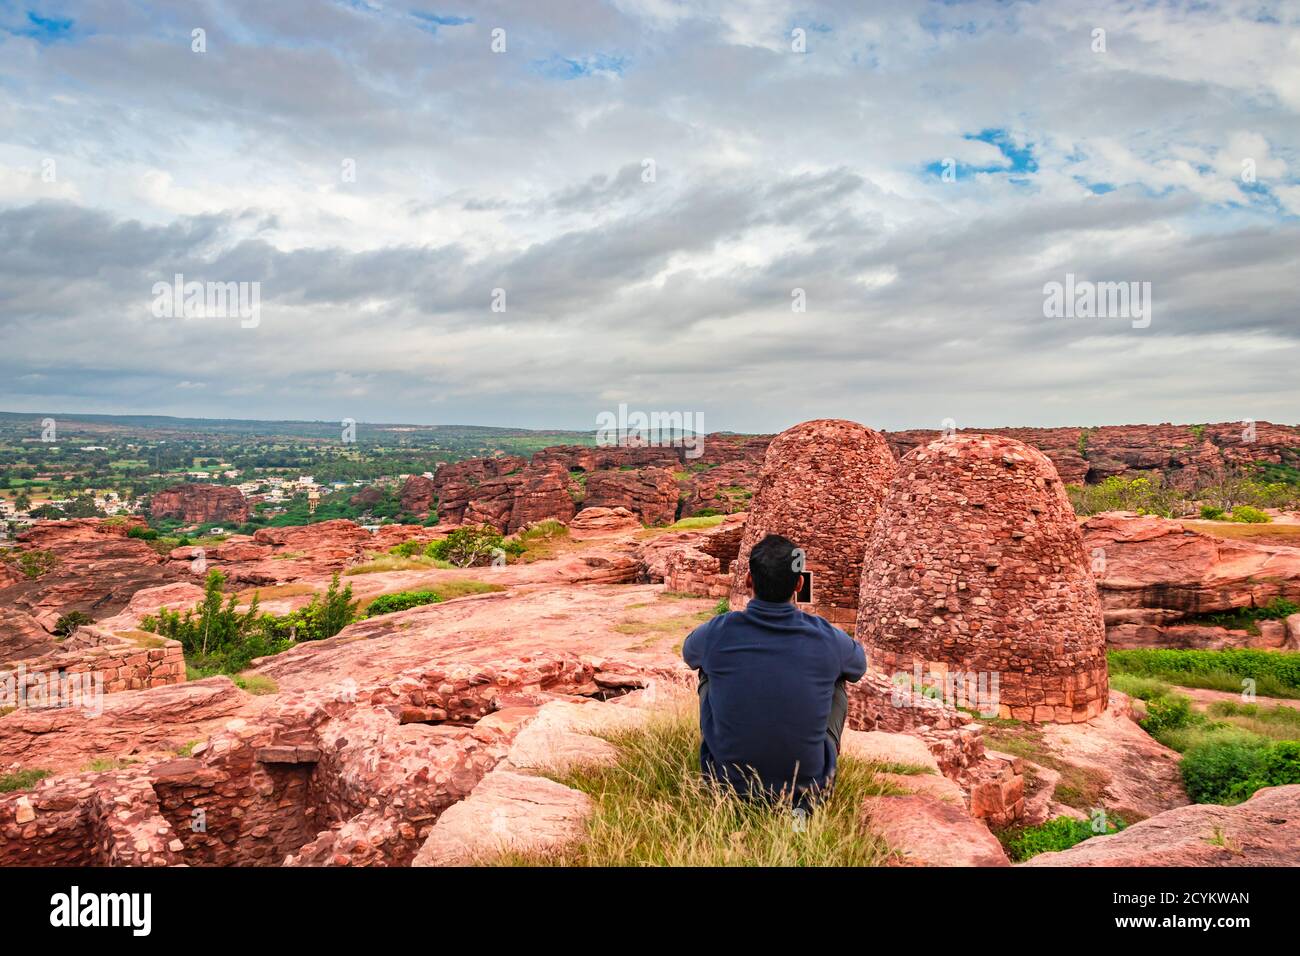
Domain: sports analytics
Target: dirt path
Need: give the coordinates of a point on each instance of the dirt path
(1203, 697)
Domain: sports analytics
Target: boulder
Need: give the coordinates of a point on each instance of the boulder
(650, 493)
(602, 522)
(1263, 831)
(506, 812)
(200, 504)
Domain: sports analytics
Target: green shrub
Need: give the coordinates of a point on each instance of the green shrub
(1059, 833)
(1248, 515)
(70, 622)
(722, 607)
(1170, 712)
(472, 547)
(408, 549)
(1210, 513)
(218, 639)
(144, 534)
(33, 564)
(1215, 770)
(401, 601)
(318, 620)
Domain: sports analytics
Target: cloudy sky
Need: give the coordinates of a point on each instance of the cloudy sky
(649, 183)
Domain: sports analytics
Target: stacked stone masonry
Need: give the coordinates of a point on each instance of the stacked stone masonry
(821, 486)
(977, 566)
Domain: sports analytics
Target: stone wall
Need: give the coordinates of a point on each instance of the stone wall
(976, 565)
(121, 663)
(821, 486)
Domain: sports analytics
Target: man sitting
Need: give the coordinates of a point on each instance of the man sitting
(772, 697)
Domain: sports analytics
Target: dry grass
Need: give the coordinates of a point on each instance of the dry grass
(652, 808)
(274, 591)
(1288, 534)
(678, 626)
(142, 638)
(258, 685)
(395, 562)
(446, 590)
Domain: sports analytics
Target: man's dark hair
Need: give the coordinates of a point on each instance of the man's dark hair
(771, 565)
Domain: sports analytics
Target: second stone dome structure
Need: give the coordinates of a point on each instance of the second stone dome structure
(977, 565)
(821, 486)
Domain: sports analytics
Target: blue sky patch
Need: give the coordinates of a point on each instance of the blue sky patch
(44, 30)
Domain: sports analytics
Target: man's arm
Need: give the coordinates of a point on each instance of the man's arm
(854, 659)
(695, 645)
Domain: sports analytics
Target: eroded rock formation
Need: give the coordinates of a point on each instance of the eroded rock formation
(200, 504)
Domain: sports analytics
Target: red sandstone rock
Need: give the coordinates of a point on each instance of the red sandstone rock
(1263, 831)
(21, 636)
(520, 498)
(976, 565)
(727, 488)
(178, 596)
(650, 493)
(455, 483)
(1154, 573)
(200, 504)
(507, 812)
(96, 569)
(419, 495)
(821, 487)
(134, 724)
(925, 830)
(602, 522)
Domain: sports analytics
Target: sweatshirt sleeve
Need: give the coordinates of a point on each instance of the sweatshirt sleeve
(694, 646)
(854, 659)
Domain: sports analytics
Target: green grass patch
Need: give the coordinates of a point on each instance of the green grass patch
(22, 779)
(1059, 833)
(652, 808)
(258, 685)
(1276, 673)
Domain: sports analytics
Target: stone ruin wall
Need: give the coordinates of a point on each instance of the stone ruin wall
(705, 567)
(821, 486)
(120, 663)
(977, 565)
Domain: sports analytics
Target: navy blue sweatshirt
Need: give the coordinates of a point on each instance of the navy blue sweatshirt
(772, 671)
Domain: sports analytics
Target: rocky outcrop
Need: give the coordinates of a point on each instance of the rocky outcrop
(86, 564)
(200, 504)
(1184, 454)
(725, 489)
(419, 495)
(1157, 576)
(518, 499)
(133, 725)
(455, 484)
(651, 493)
(602, 522)
(1263, 831)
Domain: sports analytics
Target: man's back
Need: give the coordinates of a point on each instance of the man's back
(771, 671)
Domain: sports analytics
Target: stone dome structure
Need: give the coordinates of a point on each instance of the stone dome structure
(821, 486)
(977, 565)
